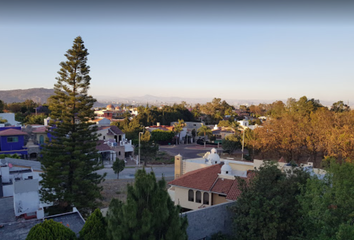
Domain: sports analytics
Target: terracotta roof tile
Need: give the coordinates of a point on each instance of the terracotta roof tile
(282, 160)
(222, 186)
(40, 130)
(207, 179)
(12, 132)
(202, 179)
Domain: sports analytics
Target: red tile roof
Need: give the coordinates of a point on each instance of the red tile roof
(202, 179)
(207, 179)
(12, 132)
(282, 160)
(40, 130)
(222, 186)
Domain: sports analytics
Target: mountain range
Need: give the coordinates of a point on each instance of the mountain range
(40, 95)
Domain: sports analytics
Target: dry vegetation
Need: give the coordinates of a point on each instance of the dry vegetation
(116, 188)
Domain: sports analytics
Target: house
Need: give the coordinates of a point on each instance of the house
(104, 113)
(12, 141)
(101, 121)
(208, 181)
(10, 118)
(113, 143)
(158, 126)
(186, 133)
(221, 132)
(20, 204)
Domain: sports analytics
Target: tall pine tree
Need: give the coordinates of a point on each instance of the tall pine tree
(70, 158)
(149, 212)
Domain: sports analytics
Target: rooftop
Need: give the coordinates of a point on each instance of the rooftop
(12, 132)
(208, 179)
(19, 230)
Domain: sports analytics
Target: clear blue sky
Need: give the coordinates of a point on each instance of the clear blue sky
(227, 49)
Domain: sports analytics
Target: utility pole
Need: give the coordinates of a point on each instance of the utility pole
(243, 143)
(139, 147)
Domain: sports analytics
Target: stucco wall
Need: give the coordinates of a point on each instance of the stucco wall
(181, 198)
(218, 199)
(207, 221)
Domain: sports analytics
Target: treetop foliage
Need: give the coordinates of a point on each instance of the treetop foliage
(70, 158)
(50, 229)
(149, 213)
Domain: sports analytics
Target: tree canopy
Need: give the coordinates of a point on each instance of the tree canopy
(267, 207)
(328, 204)
(50, 229)
(118, 166)
(70, 158)
(148, 213)
(95, 227)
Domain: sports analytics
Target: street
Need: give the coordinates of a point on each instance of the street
(167, 171)
(186, 150)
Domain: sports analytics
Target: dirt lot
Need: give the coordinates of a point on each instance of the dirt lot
(116, 188)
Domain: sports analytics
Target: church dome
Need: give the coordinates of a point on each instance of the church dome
(110, 107)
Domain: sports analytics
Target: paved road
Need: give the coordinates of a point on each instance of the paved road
(187, 150)
(167, 171)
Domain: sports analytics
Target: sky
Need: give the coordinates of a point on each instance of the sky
(265, 50)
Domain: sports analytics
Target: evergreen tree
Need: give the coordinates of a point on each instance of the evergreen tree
(50, 229)
(149, 213)
(118, 166)
(267, 207)
(94, 228)
(70, 158)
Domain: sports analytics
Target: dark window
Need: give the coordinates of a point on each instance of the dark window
(198, 197)
(41, 139)
(191, 195)
(206, 198)
(12, 139)
(119, 153)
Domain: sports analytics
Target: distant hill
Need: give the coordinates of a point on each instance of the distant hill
(39, 95)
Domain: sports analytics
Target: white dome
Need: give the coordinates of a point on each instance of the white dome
(226, 169)
(213, 158)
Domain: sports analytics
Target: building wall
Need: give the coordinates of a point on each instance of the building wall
(218, 199)
(9, 146)
(181, 198)
(191, 166)
(202, 223)
(8, 190)
(241, 167)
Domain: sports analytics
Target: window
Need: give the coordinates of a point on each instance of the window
(191, 195)
(12, 139)
(41, 139)
(206, 198)
(119, 153)
(198, 197)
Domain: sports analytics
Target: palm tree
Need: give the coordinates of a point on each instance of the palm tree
(178, 127)
(204, 131)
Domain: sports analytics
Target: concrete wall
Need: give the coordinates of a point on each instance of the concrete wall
(204, 222)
